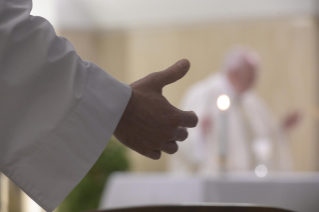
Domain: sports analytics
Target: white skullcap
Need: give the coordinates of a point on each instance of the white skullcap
(239, 56)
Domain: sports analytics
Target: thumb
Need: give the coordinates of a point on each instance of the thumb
(171, 74)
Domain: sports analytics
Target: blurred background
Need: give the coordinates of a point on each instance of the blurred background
(132, 38)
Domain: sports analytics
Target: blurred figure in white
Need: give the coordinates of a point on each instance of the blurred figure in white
(236, 130)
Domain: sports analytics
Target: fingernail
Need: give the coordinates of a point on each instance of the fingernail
(184, 64)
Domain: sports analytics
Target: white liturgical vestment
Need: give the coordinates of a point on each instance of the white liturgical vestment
(243, 137)
(57, 112)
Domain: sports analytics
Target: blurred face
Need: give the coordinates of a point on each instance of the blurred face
(242, 77)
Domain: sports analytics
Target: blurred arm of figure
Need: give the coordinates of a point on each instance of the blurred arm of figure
(58, 112)
(291, 121)
(206, 125)
(281, 157)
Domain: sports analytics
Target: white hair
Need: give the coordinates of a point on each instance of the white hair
(240, 56)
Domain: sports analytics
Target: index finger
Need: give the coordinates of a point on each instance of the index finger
(188, 119)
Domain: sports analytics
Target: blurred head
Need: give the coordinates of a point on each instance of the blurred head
(241, 67)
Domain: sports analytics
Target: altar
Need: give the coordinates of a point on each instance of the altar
(292, 191)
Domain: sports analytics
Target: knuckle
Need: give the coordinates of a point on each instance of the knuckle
(171, 134)
(168, 135)
(174, 74)
(176, 120)
(152, 78)
(144, 151)
(152, 145)
(156, 145)
(152, 75)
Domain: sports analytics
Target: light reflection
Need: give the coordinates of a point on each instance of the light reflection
(223, 102)
(261, 171)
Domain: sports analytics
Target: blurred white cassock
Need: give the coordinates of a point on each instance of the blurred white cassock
(236, 130)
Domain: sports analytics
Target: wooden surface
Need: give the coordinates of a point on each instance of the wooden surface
(197, 209)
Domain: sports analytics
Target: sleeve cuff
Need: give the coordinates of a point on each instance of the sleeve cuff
(66, 156)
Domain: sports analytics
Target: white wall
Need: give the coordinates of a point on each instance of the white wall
(46, 9)
(4, 193)
(131, 14)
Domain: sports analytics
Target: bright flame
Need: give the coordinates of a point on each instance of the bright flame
(261, 171)
(223, 102)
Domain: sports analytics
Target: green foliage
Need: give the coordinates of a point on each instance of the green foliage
(87, 193)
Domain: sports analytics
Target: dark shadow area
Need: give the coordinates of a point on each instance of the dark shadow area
(198, 209)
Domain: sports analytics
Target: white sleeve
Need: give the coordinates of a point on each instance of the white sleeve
(57, 112)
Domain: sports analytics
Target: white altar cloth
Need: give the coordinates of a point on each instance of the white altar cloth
(294, 191)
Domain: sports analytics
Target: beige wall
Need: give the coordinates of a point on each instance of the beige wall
(288, 48)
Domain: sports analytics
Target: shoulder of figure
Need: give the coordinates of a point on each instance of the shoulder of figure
(204, 86)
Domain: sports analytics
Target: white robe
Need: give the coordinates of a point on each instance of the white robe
(200, 152)
(57, 112)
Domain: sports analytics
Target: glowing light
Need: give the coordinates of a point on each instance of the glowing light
(261, 171)
(223, 102)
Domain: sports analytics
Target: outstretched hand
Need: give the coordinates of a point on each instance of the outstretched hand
(150, 124)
